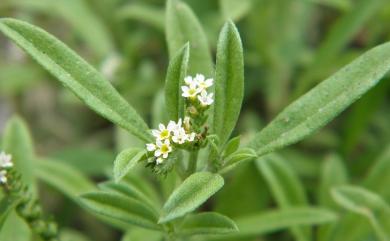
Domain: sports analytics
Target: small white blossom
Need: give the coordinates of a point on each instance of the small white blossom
(202, 82)
(159, 160)
(150, 147)
(163, 132)
(179, 136)
(190, 81)
(3, 176)
(190, 91)
(205, 99)
(5, 160)
(191, 137)
(164, 148)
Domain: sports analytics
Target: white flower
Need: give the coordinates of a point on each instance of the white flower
(164, 132)
(5, 160)
(190, 81)
(150, 147)
(191, 137)
(3, 176)
(164, 148)
(190, 91)
(202, 82)
(159, 160)
(179, 136)
(205, 99)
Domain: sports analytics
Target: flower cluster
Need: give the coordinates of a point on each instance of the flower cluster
(5, 165)
(170, 136)
(196, 89)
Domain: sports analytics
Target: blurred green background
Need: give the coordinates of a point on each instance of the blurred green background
(289, 47)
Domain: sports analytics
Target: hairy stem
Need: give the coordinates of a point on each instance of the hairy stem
(192, 162)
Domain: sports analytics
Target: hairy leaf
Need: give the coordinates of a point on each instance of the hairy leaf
(276, 220)
(76, 74)
(229, 82)
(182, 26)
(207, 223)
(320, 105)
(126, 160)
(177, 71)
(193, 192)
(122, 208)
(368, 204)
(285, 186)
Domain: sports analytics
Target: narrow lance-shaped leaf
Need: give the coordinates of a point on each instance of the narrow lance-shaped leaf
(182, 26)
(341, 33)
(7, 204)
(229, 82)
(177, 71)
(126, 160)
(320, 105)
(207, 223)
(122, 208)
(63, 177)
(144, 13)
(193, 192)
(276, 220)
(285, 186)
(368, 204)
(76, 74)
(17, 142)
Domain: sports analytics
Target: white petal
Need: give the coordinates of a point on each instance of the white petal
(166, 142)
(157, 153)
(161, 127)
(159, 143)
(165, 155)
(150, 147)
(188, 80)
(159, 160)
(199, 77)
(156, 133)
(171, 126)
(209, 82)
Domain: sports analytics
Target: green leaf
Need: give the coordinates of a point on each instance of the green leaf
(285, 186)
(17, 142)
(126, 160)
(7, 204)
(233, 9)
(320, 105)
(207, 223)
(122, 208)
(79, 16)
(378, 177)
(76, 74)
(368, 204)
(334, 173)
(139, 234)
(15, 229)
(193, 192)
(182, 26)
(238, 157)
(63, 177)
(341, 33)
(144, 13)
(271, 221)
(229, 82)
(177, 71)
(232, 146)
(130, 191)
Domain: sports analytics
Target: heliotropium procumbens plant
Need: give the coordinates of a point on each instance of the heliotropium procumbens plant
(202, 114)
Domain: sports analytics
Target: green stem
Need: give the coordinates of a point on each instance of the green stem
(192, 162)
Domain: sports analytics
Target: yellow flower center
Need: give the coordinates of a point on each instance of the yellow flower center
(164, 148)
(192, 91)
(164, 134)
